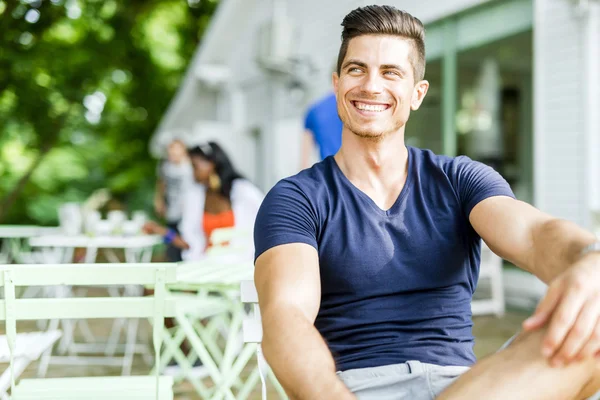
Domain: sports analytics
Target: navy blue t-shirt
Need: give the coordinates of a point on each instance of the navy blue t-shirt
(323, 121)
(396, 285)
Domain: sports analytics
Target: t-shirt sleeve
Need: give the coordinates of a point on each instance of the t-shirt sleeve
(285, 216)
(475, 181)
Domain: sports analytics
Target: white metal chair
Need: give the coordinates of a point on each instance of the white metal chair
(218, 341)
(491, 268)
(28, 347)
(154, 307)
(137, 249)
(252, 332)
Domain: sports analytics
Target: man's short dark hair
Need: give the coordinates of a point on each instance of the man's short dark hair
(385, 20)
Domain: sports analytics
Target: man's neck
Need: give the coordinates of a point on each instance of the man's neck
(365, 159)
(378, 168)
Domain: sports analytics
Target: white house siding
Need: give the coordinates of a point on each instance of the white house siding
(196, 104)
(559, 136)
(197, 107)
(593, 106)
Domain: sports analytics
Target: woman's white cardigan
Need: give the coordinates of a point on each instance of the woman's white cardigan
(245, 202)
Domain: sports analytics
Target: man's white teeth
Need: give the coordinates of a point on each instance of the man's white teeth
(370, 107)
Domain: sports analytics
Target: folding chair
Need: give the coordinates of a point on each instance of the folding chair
(155, 307)
(491, 268)
(28, 347)
(252, 332)
(194, 308)
(218, 341)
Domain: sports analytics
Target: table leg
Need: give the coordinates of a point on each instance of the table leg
(130, 346)
(232, 374)
(203, 353)
(173, 351)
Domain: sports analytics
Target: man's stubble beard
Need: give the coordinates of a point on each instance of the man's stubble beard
(371, 136)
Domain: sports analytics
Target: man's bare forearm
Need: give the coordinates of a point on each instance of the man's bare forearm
(299, 356)
(557, 245)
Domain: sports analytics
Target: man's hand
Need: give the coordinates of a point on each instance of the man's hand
(571, 308)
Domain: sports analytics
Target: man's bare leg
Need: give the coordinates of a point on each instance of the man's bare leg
(520, 372)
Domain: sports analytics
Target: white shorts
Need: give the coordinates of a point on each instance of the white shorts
(412, 380)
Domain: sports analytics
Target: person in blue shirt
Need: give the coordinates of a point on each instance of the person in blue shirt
(366, 263)
(322, 129)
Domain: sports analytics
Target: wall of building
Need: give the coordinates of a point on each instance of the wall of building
(560, 158)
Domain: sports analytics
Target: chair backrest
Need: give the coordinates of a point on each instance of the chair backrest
(252, 326)
(232, 242)
(222, 235)
(253, 333)
(155, 307)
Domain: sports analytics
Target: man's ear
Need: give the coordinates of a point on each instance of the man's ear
(335, 78)
(419, 93)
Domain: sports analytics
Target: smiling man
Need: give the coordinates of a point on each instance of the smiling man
(366, 263)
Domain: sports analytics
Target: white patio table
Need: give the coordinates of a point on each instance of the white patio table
(15, 239)
(137, 248)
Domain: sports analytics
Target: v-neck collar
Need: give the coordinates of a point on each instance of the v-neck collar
(396, 205)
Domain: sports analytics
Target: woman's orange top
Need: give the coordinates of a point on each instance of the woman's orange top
(211, 222)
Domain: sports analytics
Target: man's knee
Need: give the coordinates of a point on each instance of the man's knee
(528, 347)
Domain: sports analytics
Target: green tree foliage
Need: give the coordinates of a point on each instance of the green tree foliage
(83, 85)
